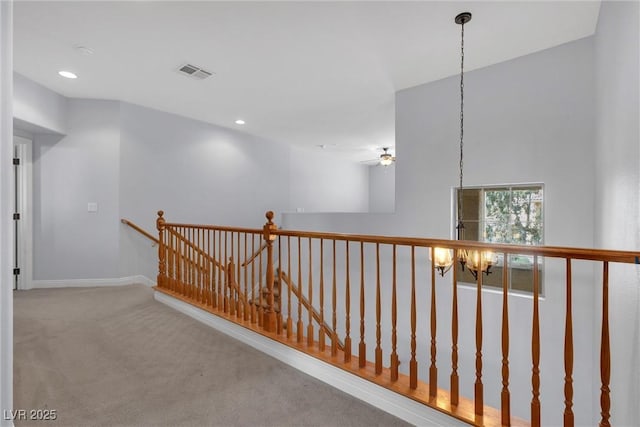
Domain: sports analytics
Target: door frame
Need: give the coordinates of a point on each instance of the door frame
(23, 146)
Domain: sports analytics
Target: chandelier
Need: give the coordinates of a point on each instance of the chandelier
(475, 261)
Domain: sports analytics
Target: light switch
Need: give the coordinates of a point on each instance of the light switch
(92, 207)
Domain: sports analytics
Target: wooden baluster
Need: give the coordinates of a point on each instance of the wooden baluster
(226, 275)
(170, 259)
(394, 321)
(260, 294)
(247, 314)
(232, 291)
(162, 271)
(239, 307)
(183, 264)
(299, 328)
(195, 263)
(378, 352)
(413, 363)
(362, 350)
(207, 267)
(254, 312)
(289, 319)
(215, 272)
(187, 267)
(568, 353)
(605, 351)
(199, 266)
(478, 386)
(454, 390)
(185, 260)
(231, 279)
(198, 250)
(535, 349)
(433, 370)
(206, 262)
(321, 331)
(220, 279)
(190, 262)
(178, 288)
(505, 395)
(334, 317)
(347, 303)
(278, 282)
(210, 268)
(309, 310)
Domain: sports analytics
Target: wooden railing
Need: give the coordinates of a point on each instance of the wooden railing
(140, 230)
(292, 289)
(348, 281)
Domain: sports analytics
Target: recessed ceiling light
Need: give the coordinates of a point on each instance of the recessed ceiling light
(240, 122)
(68, 74)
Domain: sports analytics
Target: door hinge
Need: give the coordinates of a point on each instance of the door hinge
(16, 216)
(16, 162)
(16, 271)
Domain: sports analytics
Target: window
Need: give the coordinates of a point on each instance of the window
(504, 214)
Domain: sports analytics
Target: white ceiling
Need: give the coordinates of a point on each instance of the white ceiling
(305, 73)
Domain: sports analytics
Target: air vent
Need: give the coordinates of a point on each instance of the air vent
(194, 72)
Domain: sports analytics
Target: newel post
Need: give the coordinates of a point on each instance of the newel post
(162, 267)
(267, 232)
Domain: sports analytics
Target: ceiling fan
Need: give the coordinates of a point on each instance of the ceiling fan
(385, 158)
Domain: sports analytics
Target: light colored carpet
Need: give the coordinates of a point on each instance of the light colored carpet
(116, 357)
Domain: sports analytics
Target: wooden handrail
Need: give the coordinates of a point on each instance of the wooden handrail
(255, 255)
(215, 227)
(625, 257)
(140, 230)
(305, 302)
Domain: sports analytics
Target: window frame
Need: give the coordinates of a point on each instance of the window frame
(481, 223)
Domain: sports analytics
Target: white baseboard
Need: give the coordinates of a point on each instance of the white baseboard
(89, 283)
(387, 400)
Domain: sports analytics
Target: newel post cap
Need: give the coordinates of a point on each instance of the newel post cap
(160, 220)
(269, 226)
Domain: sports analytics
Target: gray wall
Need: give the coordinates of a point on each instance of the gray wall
(382, 188)
(68, 241)
(38, 109)
(617, 193)
(326, 182)
(134, 161)
(526, 120)
(195, 172)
